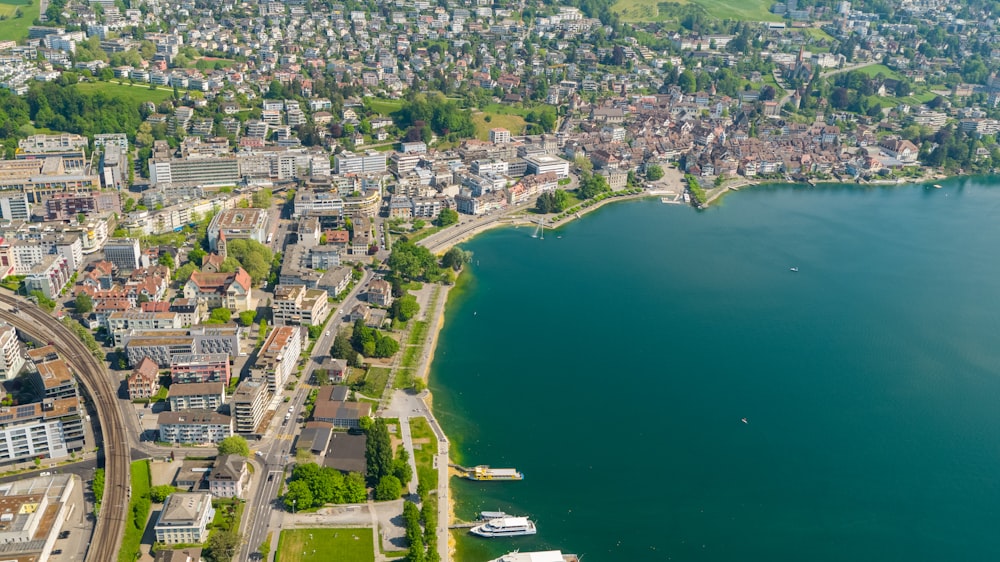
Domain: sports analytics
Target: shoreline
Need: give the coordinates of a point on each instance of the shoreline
(439, 318)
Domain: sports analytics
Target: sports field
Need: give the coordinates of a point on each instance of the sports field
(323, 545)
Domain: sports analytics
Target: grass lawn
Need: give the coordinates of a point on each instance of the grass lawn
(424, 456)
(321, 545)
(138, 511)
(748, 10)
(375, 382)
(876, 69)
(383, 106)
(511, 122)
(817, 34)
(14, 28)
(136, 94)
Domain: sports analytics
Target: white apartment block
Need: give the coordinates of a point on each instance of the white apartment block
(11, 352)
(278, 357)
(184, 519)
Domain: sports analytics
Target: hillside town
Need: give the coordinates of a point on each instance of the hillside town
(220, 199)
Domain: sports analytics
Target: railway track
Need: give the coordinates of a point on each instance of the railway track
(39, 325)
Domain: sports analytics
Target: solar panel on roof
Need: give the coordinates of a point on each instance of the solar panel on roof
(25, 410)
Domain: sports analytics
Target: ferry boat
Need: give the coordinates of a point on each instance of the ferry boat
(539, 556)
(483, 472)
(505, 527)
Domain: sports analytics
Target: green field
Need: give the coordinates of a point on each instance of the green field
(876, 69)
(16, 28)
(748, 10)
(321, 545)
(383, 106)
(135, 94)
(513, 123)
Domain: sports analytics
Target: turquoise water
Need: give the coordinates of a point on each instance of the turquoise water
(614, 366)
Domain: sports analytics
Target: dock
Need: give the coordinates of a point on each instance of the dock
(462, 525)
(484, 472)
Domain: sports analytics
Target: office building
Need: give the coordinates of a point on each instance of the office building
(184, 518)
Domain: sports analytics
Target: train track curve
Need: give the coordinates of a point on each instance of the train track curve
(37, 324)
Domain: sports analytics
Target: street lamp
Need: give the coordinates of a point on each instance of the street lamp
(293, 505)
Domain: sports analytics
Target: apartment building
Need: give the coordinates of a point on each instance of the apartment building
(162, 345)
(120, 322)
(194, 426)
(200, 367)
(249, 405)
(232, 290)
(278, 357)
(11, 352)
(196, 396)
(229, 478)
(144, 382)
(295, 305)
(348, 162)
(235, 224)
(49, 276)
(52, 428)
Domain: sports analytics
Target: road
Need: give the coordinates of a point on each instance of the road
(38, 325)
(275, 449)
(449, 236)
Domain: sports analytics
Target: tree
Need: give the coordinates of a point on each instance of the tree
(592, 185)
(184, 272)
(166, 259)
(247, 317)
(455, 258)
(401, 468)
(447, 217)
(405, 307)
(411, 262)
(654, 172)
(378, 451)
(385, 346)
(159, 493)
(253, 256)
(219, 316)
(235, 445)
(298, 496)
(262, 199)
(222, 545)
(196, 255)
(83, 303)
(389, 488)
(354, 488)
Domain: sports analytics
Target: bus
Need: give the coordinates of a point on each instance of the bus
(270, 237)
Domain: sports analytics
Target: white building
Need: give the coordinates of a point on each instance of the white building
(184, 519)
(11, 352)
(124, 253)
(539, 164)
(194, 426)
(278, 357)
(356, 163)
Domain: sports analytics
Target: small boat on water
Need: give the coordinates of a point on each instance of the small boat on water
(793, 269)
(538, 556)
(937, 186)
(487, 515)
(505, 527)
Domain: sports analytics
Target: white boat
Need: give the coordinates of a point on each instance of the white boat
(539, 556)
(487, 515)
(937, 186)
(795, 269)
(505, 527)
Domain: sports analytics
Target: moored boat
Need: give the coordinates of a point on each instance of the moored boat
(483, 472)
(505, 527)
(539, 556)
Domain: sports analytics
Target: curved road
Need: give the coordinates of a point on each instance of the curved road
(37, 324)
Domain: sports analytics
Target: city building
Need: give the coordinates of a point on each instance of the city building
(14, 206)
(144, 382)
(249, 405)
(162, 345)
(124, 253)
(32, 513)
(11, 352)
(297, 305)
(51, 377)
(200, 367)
(541, 163)
(237, 224)
(196, 396)
(205, 171)
(68, 206)
(194, 426)
(49, 276)
(333, 407)
(499, 135)
(184, 518)
(52, 428)
(230, 477)
(278, 357)
(221, 290)
(119, 322)
(380, 292)
(348, 162)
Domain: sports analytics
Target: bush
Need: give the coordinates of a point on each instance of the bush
(389, 488)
